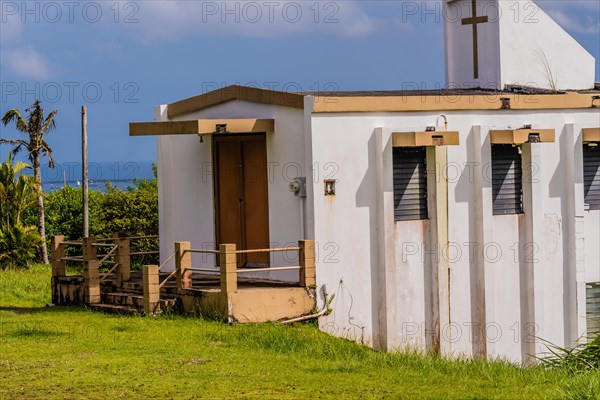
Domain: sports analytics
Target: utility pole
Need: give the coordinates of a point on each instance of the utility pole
(84, 172)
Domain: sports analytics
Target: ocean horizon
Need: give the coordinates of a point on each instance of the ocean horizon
(119, 173)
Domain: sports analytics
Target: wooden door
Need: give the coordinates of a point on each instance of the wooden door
(241, 195)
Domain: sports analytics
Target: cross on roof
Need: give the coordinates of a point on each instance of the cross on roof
(474, 20)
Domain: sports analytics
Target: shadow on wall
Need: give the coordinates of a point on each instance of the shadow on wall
(561, 189)
(465, 192)
(366, 196)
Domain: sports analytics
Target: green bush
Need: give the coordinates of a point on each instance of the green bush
(18, 246)
(64, 212)
(131, 212)
(18, 241)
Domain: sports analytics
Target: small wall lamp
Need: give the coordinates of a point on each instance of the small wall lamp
(221, 128)
(329, 187)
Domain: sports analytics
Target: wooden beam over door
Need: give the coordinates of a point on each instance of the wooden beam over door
(200, 127)
(520, 136)
(429, 138)
(591, 134)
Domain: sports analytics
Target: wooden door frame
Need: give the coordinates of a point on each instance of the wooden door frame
(261, 136)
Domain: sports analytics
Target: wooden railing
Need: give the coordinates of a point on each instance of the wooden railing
(118, 255)
(227, 271)
(117, 258)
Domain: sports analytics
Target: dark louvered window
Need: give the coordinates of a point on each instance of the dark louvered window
(507, 184)
(593, 308)
(591, 176)
(410, 183)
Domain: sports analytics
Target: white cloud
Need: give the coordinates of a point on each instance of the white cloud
(579, 16)
(10, 30)
(172, 19)
(24, 61)
(570, 23)
(28, 63)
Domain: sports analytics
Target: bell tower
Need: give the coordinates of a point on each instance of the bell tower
(493, 43)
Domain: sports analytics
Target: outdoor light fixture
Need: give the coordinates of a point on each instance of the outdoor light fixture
(437, 140)
(221, 128)
(329, 187)
(505, 103)
(519, 148)
(445, 121)
(533, 138)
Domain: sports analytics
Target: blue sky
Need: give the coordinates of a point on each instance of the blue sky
(122, 58)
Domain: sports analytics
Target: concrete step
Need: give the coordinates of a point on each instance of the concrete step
(115, 309)
(136, 288)
(133, 286)
(128, 299)
(124, 299)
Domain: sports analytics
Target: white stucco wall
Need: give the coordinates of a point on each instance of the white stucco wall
(530, 39)
(185, 167)
(349, 221)
(413, 301)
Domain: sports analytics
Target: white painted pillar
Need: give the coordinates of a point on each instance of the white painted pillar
(309, 214)
(482, 161)
(437, 189)
(576, 221)
(568, 145)
(386, 275)
(166, 212)
(532, 248)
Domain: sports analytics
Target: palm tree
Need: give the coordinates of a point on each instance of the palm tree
(18, 243)
(35, 127)
(17, 192)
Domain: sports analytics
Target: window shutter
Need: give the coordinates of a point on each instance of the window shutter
(410, 183)
(591, 176)
(593, 308)
(507, 180)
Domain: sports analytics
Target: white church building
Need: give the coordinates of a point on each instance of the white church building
(464, 220)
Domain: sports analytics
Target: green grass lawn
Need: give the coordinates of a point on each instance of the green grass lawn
(72, 353)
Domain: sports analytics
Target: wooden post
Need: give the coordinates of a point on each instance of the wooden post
(151, 290)
(307, 263)
(228, 261)
(91, 271)
(183, 265)
(84, 172)
(58, 252)
(123, 258)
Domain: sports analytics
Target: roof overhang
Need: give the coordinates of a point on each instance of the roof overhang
(389, 101)
(452, 102)
(521, 136)
(428, 138)
(201, 127)
(591, 134)
(235, 93)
